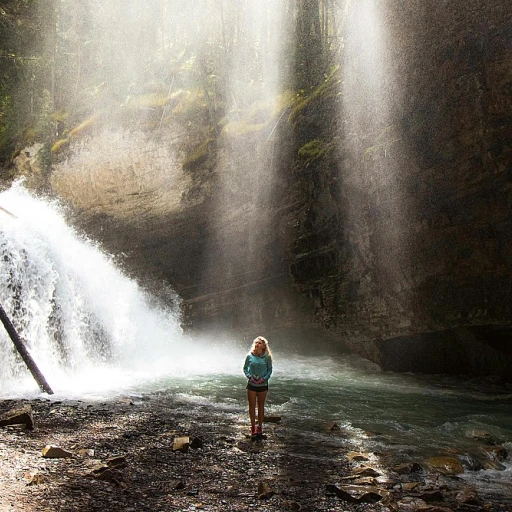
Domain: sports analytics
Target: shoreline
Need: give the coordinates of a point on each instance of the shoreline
(123, 457)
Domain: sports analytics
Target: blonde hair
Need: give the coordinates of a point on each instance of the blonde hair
(267, 348)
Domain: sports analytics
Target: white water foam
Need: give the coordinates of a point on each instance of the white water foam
(90, 329)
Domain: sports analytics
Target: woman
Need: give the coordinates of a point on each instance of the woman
(258, 369)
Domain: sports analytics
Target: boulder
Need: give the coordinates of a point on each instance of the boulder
(51, 451)
(18, 416)
(445, 465)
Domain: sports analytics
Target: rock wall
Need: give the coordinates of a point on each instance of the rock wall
(395, 244)
(419, 202)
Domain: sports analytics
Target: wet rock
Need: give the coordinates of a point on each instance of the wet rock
(367, 480)
(409, 486)
(410, 504)
(494, 464)
(407, 468)
(471, 464)
(365, 471)
(357, 457)
(498, 453)
(468, 497)
(272, 419)
(357, 494)
(429, 496)
(51, 451)
(18, 416)
(333, 426)
(484, 436)
(445, 465)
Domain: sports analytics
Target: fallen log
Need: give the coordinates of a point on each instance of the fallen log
(22, 350)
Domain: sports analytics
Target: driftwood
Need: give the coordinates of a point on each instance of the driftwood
(20, 347)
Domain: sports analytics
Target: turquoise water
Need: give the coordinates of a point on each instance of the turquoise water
(397, 417)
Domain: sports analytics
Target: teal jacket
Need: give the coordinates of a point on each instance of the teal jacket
(258, 366)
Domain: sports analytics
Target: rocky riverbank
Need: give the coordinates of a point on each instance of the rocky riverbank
(156, 453)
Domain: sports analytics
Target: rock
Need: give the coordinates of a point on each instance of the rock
(471, 464)
(97, 469)
(482, 435)
(51, 451)
(365, 471)
(410, 504)
(429, 496)
(407, 468)
(196, 443)
(264, 491)
(333, 426)
(445, 465)
(468, 496)
(357, 456)
(409, 486)
(181, 444)
(117, 462)
(18, 416)
(291, 505)
(86, 452)
(33, 477)
(111, 475)
(357, 494)
(498, 453)
(367, 480)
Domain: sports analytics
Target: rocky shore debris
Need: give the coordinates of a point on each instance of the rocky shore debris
(21, 415)
(160, 454)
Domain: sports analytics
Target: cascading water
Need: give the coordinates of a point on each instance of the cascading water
(82, 319)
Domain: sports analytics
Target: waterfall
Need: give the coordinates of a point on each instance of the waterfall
(87, 325)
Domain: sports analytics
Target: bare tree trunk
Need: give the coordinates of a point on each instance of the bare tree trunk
(20, 347)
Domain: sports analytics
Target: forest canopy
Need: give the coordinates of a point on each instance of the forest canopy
(65, 63)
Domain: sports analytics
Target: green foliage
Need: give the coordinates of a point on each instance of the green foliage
(67, 66)
(199, 155)
(312, 150)
(328, 89)
(59, 144)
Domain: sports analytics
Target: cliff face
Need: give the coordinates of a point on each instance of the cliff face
(396, 242)
(421, 190)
